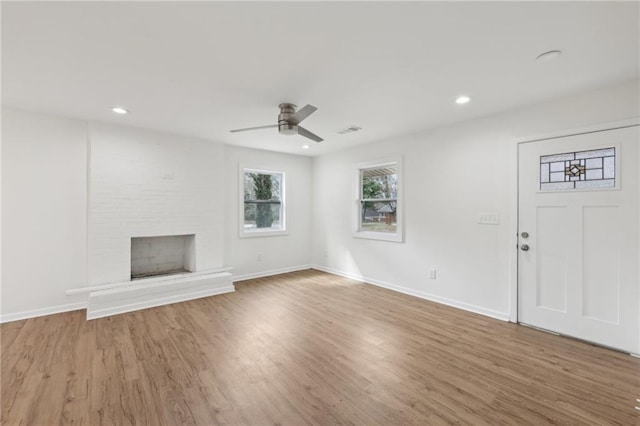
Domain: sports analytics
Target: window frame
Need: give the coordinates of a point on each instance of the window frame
(261, 232)
(398, 236)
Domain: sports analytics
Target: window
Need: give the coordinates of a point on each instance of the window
(262, 203)
(378, 201)
(595, 168)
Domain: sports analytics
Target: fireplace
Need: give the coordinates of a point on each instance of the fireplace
(162, 255)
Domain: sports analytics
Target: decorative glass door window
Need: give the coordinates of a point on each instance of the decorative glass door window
(595, 168)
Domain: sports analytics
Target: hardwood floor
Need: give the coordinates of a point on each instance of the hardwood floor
(307, 348)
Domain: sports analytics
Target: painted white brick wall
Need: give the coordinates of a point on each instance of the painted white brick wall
(142, 184)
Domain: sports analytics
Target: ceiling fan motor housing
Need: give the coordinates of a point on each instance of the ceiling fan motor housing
(286, 112)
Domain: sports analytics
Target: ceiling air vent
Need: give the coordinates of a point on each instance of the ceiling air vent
(349, 129)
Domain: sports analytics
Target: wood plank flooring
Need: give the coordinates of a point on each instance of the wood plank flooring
(307, 348)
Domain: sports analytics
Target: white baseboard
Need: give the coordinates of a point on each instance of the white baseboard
(42, 312)
(157, 293)
(417, 293)
(158, 301)
(237, 278)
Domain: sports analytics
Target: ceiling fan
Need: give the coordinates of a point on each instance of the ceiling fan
(288, 122)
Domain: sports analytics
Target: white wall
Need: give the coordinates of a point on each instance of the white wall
(44, 221)
(451, 174)
(278, 253)
(144, 184)
(139, 183)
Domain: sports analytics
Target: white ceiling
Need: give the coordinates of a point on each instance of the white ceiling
(203, 68)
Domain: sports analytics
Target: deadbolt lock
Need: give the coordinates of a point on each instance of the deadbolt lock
(524, 235)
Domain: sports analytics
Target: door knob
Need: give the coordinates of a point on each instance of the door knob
(524, 247)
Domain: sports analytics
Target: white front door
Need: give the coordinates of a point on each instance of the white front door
(578, 239)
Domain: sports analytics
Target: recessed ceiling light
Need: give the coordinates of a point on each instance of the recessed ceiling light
(305, 146)
(119, 110)
(462, 100)
(548, 56)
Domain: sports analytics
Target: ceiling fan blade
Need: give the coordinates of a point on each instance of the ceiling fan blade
(254, 128)
(307, 134)
(301, 114)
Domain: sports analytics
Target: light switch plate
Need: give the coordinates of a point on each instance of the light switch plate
(489, 218)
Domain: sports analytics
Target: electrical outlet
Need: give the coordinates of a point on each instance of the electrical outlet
(432, 274)
(259, 257)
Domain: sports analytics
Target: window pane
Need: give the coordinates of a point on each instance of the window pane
(262, 196)
(249, 215)
(275, 215)
(578, 170)
(379, 183)
(379, 217)
(262, 186)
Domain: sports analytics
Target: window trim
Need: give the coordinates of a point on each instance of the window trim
(258, 232)
(397, 236)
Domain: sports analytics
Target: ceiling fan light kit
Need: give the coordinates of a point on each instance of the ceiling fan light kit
(289, 122)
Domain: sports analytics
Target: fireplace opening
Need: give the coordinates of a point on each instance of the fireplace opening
(162, 255)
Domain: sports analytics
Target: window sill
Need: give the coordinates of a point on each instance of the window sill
(380, 236)
(265, 233)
